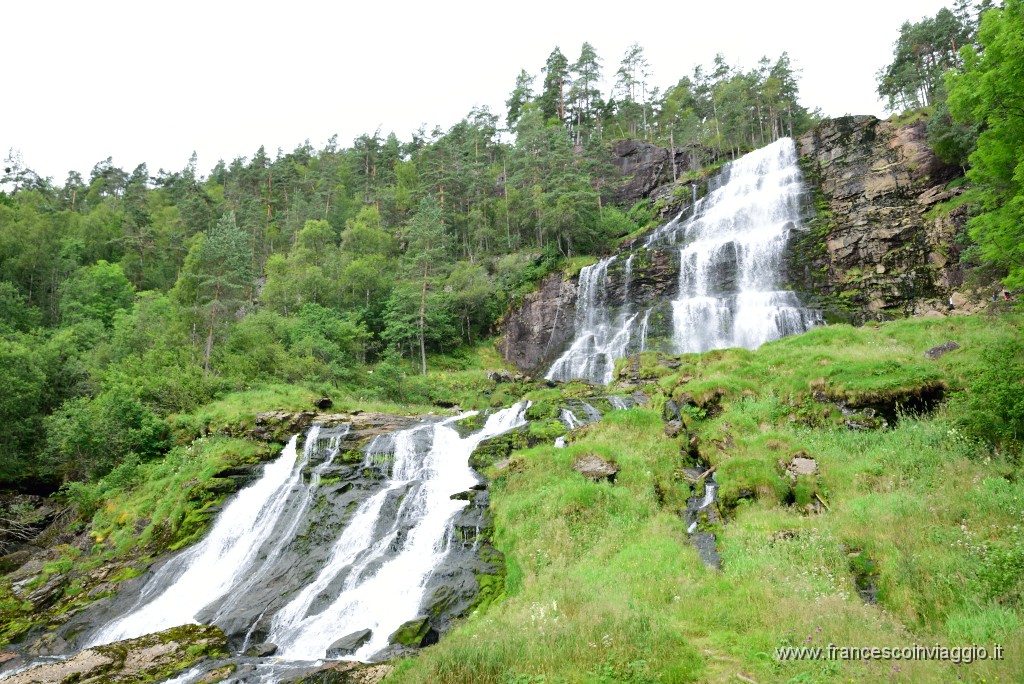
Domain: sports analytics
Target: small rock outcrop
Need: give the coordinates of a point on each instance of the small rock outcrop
(349, 644)
(538, 331)
(154, 657)
(941, 350)
(593, 467)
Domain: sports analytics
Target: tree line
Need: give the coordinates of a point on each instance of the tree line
(964, 70)
(131, 297)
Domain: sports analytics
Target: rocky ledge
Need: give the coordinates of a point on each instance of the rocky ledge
(874, 248)
(152, 658)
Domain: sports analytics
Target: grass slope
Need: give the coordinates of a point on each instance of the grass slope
(604, 586)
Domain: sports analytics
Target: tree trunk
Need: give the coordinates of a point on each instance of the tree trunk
(209, 337)
(423, 312)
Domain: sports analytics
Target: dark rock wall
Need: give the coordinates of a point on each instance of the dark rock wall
(871, 249)
(538, 331)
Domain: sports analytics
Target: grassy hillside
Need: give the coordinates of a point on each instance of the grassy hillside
(604, 586)
(916, 500)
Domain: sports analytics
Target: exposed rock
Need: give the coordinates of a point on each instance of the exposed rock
(936, 352)
(646, 167)
(153, 657)
(346, 673)
(539, 330)
(593, 467)
(536, 333)
(801, 465)
(411, 633)
(264, 650)
(323, 403)
(278, 426)
(499, 376)
(875, 250)
(349, 644)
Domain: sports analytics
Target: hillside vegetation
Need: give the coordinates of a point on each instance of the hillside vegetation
(603, 584)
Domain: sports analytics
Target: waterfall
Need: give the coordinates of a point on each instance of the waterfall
(431, 464)
(731, 249)
(223, 560)
(257, 563)
(601, 337)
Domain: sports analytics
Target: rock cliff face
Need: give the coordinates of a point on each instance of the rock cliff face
(536, 332)
(874, 249)
(645, 167)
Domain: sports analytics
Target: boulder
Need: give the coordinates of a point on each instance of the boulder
(349, 644)
(411, 633)
(593, 467)
(264, 650)
(936, 352)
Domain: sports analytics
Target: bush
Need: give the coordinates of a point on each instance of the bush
(993, 407)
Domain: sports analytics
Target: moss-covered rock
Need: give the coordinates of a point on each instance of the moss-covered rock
(151, 658)
(411, 633)
(495, 449)
(541, 410)
(470, 424)
(743, 478)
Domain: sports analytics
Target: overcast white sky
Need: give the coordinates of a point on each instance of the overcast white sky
(151, 82)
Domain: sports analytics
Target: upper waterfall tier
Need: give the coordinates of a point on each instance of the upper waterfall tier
(730, 248)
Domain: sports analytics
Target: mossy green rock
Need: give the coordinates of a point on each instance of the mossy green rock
(412, 632)
(470, 424)
(151, 658)
(495, 449)
(541, 410)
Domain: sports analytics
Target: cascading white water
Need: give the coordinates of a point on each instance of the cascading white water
(376, 571)
(601, 336)
(392, 593)
(731, 250)
(224, 559)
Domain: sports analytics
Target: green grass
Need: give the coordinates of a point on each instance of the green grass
(603, 585)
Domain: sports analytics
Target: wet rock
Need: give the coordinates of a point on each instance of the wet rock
(538, 331)
(865, 575)
(345, 673)
(349, 644)
(496, 449)
(264, 650)
(411, 633)
(593, 467)
(707, 548)
(154, 657)
(936, 352)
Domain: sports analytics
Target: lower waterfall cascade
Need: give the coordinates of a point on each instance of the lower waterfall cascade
(730, 250)
(374, 575)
